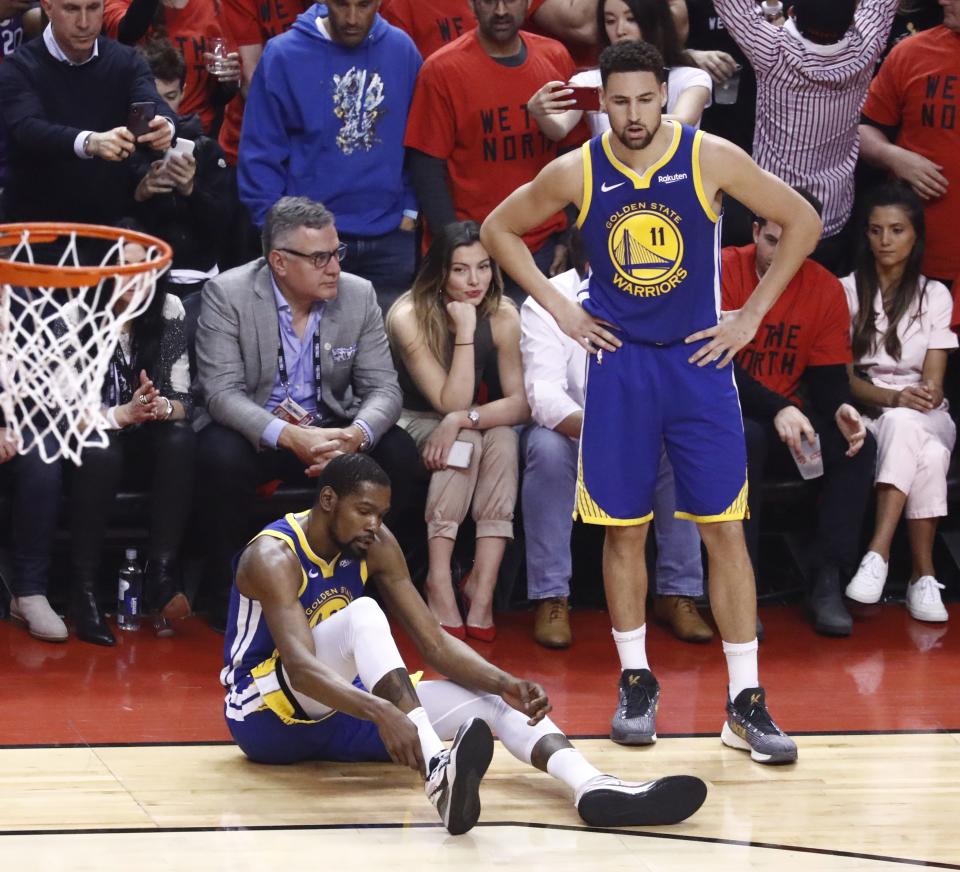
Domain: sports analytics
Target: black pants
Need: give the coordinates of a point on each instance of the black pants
(34, 489)
(160, 455)
(845, 491)
(231, 470)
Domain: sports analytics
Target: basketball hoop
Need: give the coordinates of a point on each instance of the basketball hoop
(60, 320)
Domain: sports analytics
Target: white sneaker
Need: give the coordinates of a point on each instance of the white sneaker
(867, 585)
(605, 801)
(453, 785)
(923, 600)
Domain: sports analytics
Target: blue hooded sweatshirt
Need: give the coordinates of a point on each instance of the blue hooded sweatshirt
(327, 122)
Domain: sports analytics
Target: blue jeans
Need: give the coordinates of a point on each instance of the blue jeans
(547, 493)
(35, 490)
(388, 261)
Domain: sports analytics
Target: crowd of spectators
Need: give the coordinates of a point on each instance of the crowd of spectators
(321, 170)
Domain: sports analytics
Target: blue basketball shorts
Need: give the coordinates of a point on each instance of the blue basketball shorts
(642, 397)
(339, 737)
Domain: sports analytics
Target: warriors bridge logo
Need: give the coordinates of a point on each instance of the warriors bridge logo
(646, 249)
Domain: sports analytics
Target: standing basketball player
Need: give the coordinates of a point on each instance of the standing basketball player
(303, 645)
(649, 197)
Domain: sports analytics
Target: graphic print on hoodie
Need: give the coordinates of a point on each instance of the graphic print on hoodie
(327, 121)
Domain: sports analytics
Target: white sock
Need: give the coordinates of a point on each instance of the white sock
(571, 767)
(741, 666)
(632, 647)
(429, 740)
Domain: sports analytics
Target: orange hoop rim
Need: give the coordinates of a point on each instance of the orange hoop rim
(49, 275)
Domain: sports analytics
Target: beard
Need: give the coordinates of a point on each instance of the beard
(355, 549)
(636, 144)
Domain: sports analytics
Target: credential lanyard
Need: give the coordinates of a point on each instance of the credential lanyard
(282, 366)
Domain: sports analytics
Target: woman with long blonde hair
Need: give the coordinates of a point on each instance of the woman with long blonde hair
(456, 343)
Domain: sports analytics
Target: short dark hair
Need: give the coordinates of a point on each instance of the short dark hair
(165, 62)
(824, 21)
(760, 221)
(345, 473)
(631, 57)
(289, 214)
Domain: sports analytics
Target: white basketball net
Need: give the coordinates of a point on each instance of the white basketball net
(55, 350)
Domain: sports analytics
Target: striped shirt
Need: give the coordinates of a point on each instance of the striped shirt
(809, 98)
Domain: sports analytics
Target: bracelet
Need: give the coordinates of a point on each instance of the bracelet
(169, 411)
(463, 343)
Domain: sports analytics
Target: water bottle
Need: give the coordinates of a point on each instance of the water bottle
(129, 591)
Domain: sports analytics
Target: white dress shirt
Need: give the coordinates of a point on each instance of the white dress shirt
(554, 366)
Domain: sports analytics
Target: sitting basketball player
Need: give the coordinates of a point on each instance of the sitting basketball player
(312, 671)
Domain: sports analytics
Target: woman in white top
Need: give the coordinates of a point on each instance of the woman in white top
(900, 326)
(689, 89)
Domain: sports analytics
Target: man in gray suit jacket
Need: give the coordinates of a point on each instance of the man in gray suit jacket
(294, 368)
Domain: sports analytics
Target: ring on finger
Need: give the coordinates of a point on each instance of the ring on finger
(144, 401)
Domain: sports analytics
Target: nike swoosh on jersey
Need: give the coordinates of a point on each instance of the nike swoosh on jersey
(605, 187)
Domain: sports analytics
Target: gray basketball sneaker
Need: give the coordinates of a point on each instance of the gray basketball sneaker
(453, 785)
(635, 720)
(749, 727)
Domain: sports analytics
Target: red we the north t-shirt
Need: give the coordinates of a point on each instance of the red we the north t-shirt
(252, 22)
(471, 112)
(431, 24)
(808, 326)
(918, 90)
(188, 29)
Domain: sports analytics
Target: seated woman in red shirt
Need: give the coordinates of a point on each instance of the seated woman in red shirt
(453, 334)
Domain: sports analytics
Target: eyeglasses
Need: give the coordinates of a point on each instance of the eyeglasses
(320, 259)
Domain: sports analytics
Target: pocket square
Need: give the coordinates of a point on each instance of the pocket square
(345, 352)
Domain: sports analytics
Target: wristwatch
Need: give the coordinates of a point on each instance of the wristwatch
(474, 417)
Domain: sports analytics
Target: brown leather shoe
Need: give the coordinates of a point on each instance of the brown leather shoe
(551, 623)
(681, 615)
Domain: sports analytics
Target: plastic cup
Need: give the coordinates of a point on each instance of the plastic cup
(809, 459)
(726, 94)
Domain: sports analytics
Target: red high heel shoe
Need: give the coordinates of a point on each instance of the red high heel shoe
(458, 632)
(482, 634)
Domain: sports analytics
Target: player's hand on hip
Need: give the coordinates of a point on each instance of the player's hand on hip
(400, 738)
(587, 331)
(734, 331)
(527, 697)
(552, 99)
(851, 426)
(115, 145)
(792, 425)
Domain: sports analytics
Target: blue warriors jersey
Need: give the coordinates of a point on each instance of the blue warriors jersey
(251, 672)
(653, 242)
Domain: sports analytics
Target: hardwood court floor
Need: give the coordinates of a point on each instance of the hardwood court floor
(877, 787)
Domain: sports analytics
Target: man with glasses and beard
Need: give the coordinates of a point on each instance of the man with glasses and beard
(649, 199)
(294, 369)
